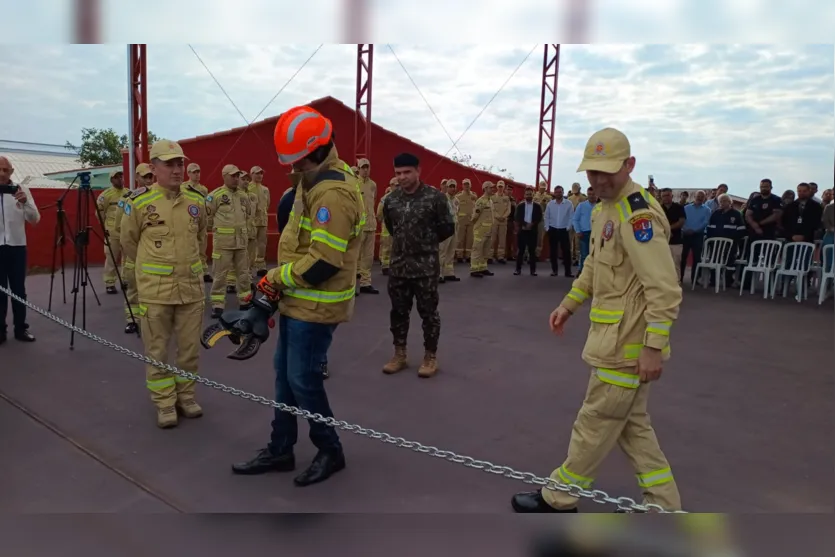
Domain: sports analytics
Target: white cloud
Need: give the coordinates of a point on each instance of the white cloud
(697, 115)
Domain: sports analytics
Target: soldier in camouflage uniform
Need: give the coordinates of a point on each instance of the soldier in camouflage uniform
(418, 218)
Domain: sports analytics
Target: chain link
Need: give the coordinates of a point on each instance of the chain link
(598, 496)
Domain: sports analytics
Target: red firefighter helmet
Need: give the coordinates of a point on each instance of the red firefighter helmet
(299, 132)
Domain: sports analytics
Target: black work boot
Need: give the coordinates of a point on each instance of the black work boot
(532, 502)
(324, 465)
(264, 462)
(216, 313)
(111, 290)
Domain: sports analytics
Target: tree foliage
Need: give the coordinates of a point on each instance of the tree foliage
(100, 147)
(467, 160)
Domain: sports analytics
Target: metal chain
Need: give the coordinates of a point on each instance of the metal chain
(596, 495)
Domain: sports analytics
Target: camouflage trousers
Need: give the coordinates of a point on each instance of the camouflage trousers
(424, 290)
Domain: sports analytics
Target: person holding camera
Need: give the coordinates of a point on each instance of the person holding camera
(16, 209)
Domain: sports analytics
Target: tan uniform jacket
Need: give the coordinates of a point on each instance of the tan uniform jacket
(542, 197)
(483, 212)
(199, 188)
(162, 232)
(501, 208)
(368, 189)
(631, 280)
(576, 199)
(453, 206)
(117, 230)
(108, 204)
(262, 203)
(228, 213)
(379, 214)
(466, 204)
(318, 251)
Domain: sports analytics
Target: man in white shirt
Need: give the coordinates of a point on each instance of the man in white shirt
(558, 216)
(16, 209)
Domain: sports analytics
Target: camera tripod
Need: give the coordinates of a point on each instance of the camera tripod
(81, 241)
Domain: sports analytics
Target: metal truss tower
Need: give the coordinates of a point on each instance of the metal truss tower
(362, 115)
(547, 113)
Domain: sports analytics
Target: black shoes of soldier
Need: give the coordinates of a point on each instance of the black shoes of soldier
(324, 465)
(216, 313)
(532, 502)
(368, 290)
(451, 278)
(22, 335)
(111, 290)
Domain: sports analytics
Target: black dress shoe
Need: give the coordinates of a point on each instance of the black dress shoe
(264, 462)
(369, 290)
(111, 290)
(24, 336)
(324, 465)
(452, 278)
(441, 280)
(517, 273)
(532, 502)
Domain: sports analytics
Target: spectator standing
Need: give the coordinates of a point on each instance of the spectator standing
(558, 216)
(676, 218)
(684, 198)
(697, 217)
(16, 209)
(802, 218)
(763, 213)
(713, 203)
(814, 187)
(527, 218)
(581, 223)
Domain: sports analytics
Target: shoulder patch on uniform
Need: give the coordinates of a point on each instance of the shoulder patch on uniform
(331, 175)
(323, 215)
(194, 211)
(637, 202)
(642, 228)
(138, 192)
(128, 209)
(209, 197)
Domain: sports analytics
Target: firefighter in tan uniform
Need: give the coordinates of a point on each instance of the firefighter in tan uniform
(245, 188)
(368, 188)
(466, 204)
(229, 211)
(162, 232)
(262, 207)
(542, 196)
(385, 237)
(630, 279)
(482, 226)
(447, 248)
(110, 213)
(193, 184)
(576, 197)
(501, 211)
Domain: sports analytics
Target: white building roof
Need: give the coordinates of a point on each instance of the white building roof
(42, 183)
(36, 159)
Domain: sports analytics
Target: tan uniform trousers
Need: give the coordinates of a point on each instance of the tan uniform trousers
(499, 236)
(226, 261)
(111, 263)
(129, 278)
(160, 323)
(575, 246)
(260, 250)
(540, 236)
(204, 259)
(366, 257)
(251, 248)
(465, 238)
(481, 249)
(385, 251)
(447, 255)
(615, 415)
(675, 251)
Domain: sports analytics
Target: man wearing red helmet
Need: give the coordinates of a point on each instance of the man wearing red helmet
(314, 284)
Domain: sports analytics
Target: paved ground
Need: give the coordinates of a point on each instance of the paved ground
(742, 411)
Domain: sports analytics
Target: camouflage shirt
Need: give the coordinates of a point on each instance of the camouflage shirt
(418, 223)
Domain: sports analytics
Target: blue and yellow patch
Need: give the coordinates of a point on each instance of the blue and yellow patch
(642, 228)
(323, 215)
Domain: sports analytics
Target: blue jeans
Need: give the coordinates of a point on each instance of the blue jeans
(584, 248)
(301, 349)
(828, 240)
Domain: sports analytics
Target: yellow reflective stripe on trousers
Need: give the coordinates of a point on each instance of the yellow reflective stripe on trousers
(218, 297)
(660, 328)
(633, 351)
(652, 479)
(160, 384)
(320, 295)
(605, 316)
(577, 295)
(329, 239)
(154, 269)
(142, 201)
(130, 265)
(618, 378)
(179, 379)
(286, 275)
(215, 255)
(224, 230)
(571, 478)
(197, 268)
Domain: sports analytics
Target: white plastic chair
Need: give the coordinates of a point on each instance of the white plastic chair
(795, 263)
(715, 256)
(763, 259)
(826, 275)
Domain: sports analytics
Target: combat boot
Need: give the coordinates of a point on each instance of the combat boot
(166, 417)
(429, 367)
(189, 408)
(398, 362)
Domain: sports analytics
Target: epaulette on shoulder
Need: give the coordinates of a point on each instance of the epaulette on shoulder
(139, 191)
(331, 175)
(195, 190)
(127, 194)
(637, 202)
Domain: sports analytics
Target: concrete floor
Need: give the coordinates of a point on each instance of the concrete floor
(743, 411)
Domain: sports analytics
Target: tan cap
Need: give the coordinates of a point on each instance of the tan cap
(451, 182)
(230, 170)
(500, 183)
(255, 169)
(487, 184)
(143, 169)
(543, 184)
(115, 172)
(605, 151)
(166, 150)
(363, 162)
(466, 181)
(192, 167)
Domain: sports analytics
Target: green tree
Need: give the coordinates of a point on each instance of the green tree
(467, 160)
(100, 147)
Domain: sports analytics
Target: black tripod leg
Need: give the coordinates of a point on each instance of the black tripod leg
(55, 243)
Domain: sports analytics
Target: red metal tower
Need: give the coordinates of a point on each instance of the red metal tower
(362, 115)
(547, 113)
(138, 68)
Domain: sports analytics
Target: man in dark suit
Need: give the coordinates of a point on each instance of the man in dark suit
(527, 217)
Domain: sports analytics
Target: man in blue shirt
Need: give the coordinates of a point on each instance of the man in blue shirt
(581, 222)
(697, 217)
(713, 204)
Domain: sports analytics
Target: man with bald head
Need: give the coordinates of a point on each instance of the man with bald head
(16, 209)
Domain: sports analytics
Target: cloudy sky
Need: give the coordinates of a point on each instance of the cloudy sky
(697, 115)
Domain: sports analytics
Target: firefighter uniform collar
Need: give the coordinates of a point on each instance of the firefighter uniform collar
(308, 177)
